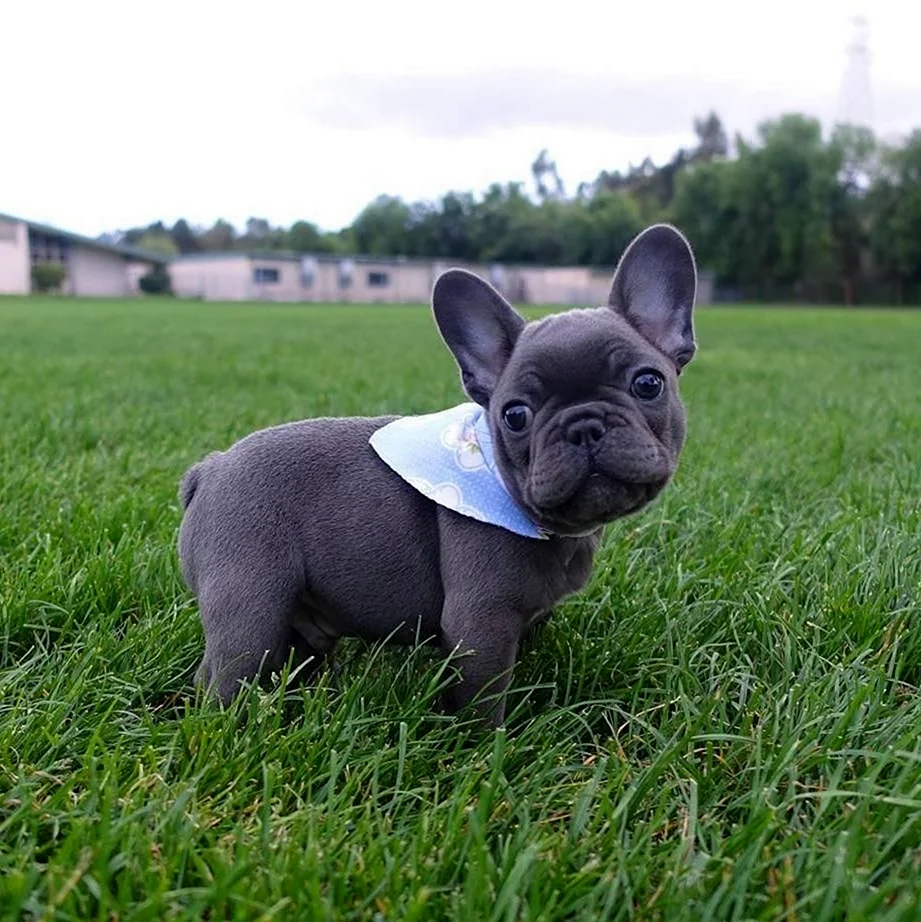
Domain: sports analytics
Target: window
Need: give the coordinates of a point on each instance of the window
(378, 280)
(48, 249)
(263, 275)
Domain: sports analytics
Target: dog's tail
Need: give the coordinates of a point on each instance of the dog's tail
(189, 484)
(191, 479)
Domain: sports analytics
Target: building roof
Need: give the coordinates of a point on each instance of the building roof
(127, 252)
(237, 254)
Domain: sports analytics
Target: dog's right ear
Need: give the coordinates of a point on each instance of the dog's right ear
(655, 287)
(479, 327)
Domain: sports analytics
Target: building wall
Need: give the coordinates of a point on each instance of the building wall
(383, 282)
(324, 285)
(568, 286)
(287, 287)
(234, 278)
(369, 282)
(705, 285)
(237, 278)
(214, 279)
(95, 273)
(15, 267)
(575, 286)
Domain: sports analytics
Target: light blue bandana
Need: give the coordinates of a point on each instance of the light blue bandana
(448, 457)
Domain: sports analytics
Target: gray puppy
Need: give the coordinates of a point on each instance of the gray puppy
(464, 527)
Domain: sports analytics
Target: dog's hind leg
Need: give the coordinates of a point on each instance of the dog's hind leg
(247, 624)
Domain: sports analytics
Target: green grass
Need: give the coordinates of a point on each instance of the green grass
(725, 725)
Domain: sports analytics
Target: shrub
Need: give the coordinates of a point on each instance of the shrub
(156, 282)
(48, 276)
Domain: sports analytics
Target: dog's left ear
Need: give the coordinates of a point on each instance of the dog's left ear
(654, 288)
(479, 327)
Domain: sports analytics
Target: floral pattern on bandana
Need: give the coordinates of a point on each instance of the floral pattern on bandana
(461, 438)
(447, 456)
(445, 494)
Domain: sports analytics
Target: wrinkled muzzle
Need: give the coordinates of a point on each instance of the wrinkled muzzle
(595, 480)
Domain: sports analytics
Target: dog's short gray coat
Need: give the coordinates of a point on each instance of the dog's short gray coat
(300, 534)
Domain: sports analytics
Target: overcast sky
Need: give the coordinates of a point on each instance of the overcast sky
(114, 114)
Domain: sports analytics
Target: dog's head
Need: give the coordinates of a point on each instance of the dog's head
(583, 406)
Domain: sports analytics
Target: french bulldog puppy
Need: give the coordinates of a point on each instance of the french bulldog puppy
(462, 527)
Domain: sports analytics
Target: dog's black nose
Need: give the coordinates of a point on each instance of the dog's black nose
(585, 432)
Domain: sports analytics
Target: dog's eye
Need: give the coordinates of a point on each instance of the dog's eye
(647, 385)
(517, 416)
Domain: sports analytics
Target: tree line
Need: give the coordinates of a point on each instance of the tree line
(791, 214)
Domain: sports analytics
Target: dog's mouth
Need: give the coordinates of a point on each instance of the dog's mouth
(598, 502)
(578, 495)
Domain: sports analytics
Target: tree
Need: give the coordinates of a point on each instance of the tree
(543, 169)
(502, 218)
(894, 201)
(158, 242)
(712, 141)
(184, 237)
(763, 220)
(260, 235)
(220, 238)
(707, 214)
(156, 281)
(797, 154)
(853, 150)
(304, 237)
(382, 227)
(615, 221)
(448, 230)
(257, 229)
(48, 276)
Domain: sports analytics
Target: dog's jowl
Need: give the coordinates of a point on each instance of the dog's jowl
(466, 525)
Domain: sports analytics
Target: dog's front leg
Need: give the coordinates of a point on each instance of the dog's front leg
(486, 641)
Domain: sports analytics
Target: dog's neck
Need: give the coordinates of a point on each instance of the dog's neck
(449, 457)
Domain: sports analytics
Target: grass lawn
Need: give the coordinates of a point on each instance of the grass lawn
(725, 725)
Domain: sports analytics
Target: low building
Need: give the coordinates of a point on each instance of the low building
(276, 276)
(91, 268)
(243, 276)
(247, 276)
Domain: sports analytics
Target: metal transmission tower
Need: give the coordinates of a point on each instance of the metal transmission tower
(855, 105)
